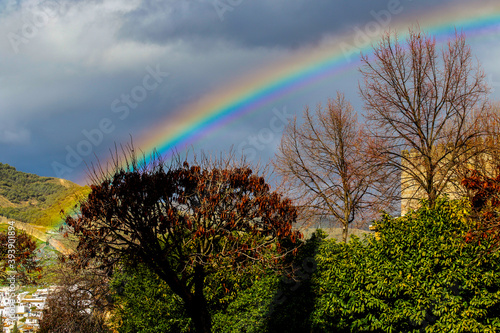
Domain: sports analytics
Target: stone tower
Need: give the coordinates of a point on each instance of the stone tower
(451, 168)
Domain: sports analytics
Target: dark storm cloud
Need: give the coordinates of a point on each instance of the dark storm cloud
(60, 76)
(255, 23)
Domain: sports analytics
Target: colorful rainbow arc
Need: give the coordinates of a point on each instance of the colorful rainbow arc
(223, 105)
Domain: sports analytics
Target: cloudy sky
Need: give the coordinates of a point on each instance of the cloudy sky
(67, 67)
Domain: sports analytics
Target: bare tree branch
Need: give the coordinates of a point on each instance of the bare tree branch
(329, 166)
(428, 107)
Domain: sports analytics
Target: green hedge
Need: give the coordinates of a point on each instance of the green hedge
(420, 276)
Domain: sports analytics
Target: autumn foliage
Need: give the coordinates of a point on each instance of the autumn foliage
(485, 201)
(22, 257)
(185, 221)
(183, 225)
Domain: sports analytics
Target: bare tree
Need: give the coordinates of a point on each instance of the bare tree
(486, 159)
(427, 106)
(328, 166)
(80, 303)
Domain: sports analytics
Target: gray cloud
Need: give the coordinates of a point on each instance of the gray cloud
(14, 135)
(254, 23)
(61, 83)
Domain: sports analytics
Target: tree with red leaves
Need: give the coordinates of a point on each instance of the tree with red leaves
(17, 252)
(485, 201)
(184, 222)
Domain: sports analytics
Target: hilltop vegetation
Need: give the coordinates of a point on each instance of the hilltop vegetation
(34, 199)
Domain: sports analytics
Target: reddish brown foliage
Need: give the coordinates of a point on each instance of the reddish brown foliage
(23, 255)
(185, 222)
(485, 200)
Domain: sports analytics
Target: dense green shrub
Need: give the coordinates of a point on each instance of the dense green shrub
(144, 303)
(255, 300)
(295, 297)
(420, 275)
(251, 310)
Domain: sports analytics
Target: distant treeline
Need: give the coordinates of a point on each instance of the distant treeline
(19, 187)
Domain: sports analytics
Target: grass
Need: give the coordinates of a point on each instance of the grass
(336, 233)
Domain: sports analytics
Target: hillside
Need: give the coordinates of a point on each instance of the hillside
(36, 200)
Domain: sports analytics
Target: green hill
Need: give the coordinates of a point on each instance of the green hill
(37, 200)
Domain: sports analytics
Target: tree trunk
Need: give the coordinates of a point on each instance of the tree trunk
(345, 232)
(197, 307)
(347, 213)
(195, 303)
(201, 317)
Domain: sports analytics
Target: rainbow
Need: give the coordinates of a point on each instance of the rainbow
(304, 68)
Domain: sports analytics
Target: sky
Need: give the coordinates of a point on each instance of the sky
(78, 78)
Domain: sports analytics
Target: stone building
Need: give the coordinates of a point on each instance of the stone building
(451, 168)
